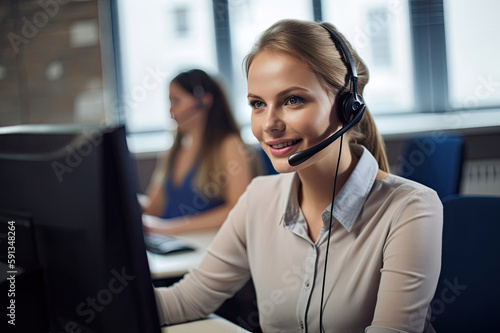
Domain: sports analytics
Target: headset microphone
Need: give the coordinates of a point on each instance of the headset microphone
(304, 155)
(198, 93)
(350, 106)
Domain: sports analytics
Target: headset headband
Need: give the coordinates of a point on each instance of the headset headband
(338, 41)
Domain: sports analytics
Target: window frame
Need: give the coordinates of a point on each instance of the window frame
(428, 43)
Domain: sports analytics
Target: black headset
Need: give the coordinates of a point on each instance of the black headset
(197, 90)
(350, 106)
(198, 93)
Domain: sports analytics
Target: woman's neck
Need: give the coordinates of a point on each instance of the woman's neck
(192, 139)
(317, 181)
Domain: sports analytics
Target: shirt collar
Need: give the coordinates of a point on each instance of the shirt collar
(351, 198)
(348, 202)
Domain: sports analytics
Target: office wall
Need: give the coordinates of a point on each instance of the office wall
(481, 148)
(50, 62)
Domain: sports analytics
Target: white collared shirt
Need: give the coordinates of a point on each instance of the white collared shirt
(383, 263)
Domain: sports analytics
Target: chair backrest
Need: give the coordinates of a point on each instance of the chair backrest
(265, 165)
(468, 291)
(434, 161)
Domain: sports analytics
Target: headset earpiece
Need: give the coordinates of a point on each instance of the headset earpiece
(350, 106)
(198, 93)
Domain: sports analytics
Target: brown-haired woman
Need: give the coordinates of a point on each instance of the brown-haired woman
(207, 169)
(385, 245)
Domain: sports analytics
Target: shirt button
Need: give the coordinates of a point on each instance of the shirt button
(307, 284)
(301, 325)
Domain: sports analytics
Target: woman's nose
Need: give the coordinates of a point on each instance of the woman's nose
(273, 122)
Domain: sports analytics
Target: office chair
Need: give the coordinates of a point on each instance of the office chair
(265, 165)
(434, 161)
(468, 291)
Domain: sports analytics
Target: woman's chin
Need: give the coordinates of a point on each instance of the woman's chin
(283, 166)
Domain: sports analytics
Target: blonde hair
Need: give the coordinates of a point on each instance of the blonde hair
(312, 44)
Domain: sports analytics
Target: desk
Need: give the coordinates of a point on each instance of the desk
(178, 264)
(213, 324)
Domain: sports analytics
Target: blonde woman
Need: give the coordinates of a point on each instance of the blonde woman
(208, 166)
(383, 241)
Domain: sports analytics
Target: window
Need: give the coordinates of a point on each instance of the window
(249, 18)
(158, 40)
(380, 32)
(381, 44)
(472, 29)
(425, 57)
(181, 20)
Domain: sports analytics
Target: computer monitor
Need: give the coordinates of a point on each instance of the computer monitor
(72, 250)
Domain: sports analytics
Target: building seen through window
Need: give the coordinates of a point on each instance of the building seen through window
(165, 37)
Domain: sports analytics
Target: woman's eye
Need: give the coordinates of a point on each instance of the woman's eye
(294, 100)
(256, 104)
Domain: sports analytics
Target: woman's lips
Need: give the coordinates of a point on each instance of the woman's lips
(283, 147)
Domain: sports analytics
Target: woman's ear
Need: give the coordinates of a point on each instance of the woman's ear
(207, 100)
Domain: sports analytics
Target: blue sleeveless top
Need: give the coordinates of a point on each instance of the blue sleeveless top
(185, 199)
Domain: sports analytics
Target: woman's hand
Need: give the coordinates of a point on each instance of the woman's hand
(143, 200)
(154, 225)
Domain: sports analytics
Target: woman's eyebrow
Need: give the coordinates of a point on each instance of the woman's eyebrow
(254, 96)
(289, 90)
(284, 92)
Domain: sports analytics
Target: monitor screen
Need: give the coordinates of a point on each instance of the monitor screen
(72, 250)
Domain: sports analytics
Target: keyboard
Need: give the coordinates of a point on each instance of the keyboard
(162, 244)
